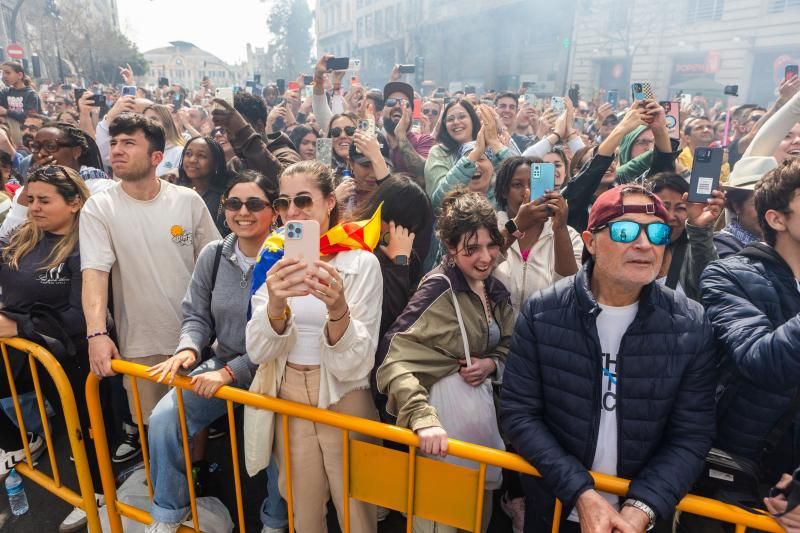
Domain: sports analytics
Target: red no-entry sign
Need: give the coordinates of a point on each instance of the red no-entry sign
(15, 51)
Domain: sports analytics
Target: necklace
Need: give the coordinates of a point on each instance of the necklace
(487, 303)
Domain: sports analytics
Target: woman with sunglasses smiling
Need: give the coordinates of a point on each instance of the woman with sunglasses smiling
(315, 345)
(341, 129)
(215, 314)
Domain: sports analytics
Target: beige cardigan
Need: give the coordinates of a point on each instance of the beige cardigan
(344, 367)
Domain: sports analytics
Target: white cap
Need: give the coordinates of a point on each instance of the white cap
(748, 171)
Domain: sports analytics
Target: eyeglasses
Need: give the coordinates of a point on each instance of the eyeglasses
(49, 146)
(253, 205)
(627, 231)
(30, 127)
(453, 118)
(348, 130)
(433, 112)
(301, 201)
(391, 102)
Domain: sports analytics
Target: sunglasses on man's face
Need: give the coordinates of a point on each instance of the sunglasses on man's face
(627, 231)
(253, 205)
(391, 102)
(348, 130)
(301, 201)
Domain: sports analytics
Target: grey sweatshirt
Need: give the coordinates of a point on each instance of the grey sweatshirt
(228, 306)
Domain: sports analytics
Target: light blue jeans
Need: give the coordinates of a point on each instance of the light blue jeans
(167, 466)
(30, 411)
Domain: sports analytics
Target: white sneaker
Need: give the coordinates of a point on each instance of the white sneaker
(11, 457)
(76, 520)
(383, 513)
(266, 529)
(130, 446)
(162, 527)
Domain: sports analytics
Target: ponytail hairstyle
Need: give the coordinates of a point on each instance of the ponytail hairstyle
(71, 187)
(463, 213)
(19, 69)
(322, 179)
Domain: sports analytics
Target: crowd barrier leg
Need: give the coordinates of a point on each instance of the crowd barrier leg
(86, 499)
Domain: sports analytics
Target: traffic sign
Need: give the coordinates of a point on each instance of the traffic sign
(15, 51)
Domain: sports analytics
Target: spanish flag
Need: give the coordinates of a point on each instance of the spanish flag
(361, 235)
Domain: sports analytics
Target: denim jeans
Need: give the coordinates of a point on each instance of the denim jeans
(167, 466)
(30, 411)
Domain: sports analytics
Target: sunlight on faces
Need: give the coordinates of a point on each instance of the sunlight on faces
(459, 124)
(634, 264)
(476, 255)
(299, 184)
(789, 146)
(48, 210)
(244, 223)
(341, 144)
(197, 160)
(482, 177)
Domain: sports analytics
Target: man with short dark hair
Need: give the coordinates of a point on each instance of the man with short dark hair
(408, 150)
(611, 372)
(699, 133)
(753, 301)
(147, 233)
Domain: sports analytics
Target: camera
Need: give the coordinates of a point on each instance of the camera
(294, 230)
(703, 155)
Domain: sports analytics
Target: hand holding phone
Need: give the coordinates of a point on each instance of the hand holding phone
(301, 242)
(129, 90)
(641, 91)
(557, 104)
(226, 94)
(337, 63)
(791, 71)
(706, 171)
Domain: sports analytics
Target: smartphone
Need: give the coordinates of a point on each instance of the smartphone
(308, 80)
(308, 91)
(557, 104)
(446, 100)
(612, 98)
(129, 90)
(78, 93)
(225, 93)
(367, 125)
(99, 100)
(416, 126)
(543, 179)
(527, 84)
(354, 65)
(257, 79)
(417, 111)
(66, 87)
(790, 72)
(406, 69)
(301, 241)
(163, 82)
(672, 110)
(338, 63)
(641, 91)
(177, 101)
(686, 99)
(281, 85)
(705, 174)
(732, 90)
(575, 95)
(293, 86)
(324, 151)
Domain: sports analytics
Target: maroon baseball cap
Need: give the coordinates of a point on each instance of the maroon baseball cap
(609, 206)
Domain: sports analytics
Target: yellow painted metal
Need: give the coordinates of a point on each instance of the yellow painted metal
(422, 474)
(142, 435)
(86, 499)
(287, 463)
(237, 475)
(187, 457)
(379, 475)
(48, 435)
(346, 480)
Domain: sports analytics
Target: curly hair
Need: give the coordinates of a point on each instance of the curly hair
(774, 192)
(253, 108)
(463, 213)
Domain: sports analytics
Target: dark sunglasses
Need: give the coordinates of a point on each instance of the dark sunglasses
(391, 102)
(49, 146)
(434, 112)
(348, 130)
(253, 205)
(627, 231)
(301, 201)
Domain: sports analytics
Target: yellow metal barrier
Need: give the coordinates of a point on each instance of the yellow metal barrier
(405, 482)
(86, 499)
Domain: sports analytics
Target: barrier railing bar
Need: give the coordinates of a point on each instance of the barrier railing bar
(346, 481)
(237, 475)
(17, 409)
(187, 457)
(48, 435)
(412, 473)
(479, 502)
(691, 503)
(557, 510)
(142, 435)
(287, 461)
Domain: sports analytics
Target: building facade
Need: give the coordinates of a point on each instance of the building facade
(493, 44)
(691, 46)
(185, 64)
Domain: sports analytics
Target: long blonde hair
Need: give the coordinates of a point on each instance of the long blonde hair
(171, 134)
(70, 186)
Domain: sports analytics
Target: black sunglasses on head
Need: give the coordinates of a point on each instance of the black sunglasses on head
(253, 205)
(348, 130)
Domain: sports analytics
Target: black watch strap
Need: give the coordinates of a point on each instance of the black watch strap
(401, 260)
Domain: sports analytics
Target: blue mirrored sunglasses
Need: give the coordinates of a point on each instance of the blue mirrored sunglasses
(627, 231)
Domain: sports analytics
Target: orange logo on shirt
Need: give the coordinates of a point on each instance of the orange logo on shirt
(180, 235)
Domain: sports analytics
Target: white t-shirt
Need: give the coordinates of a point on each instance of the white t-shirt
(171, 161)
(150, 248)
(612, 323)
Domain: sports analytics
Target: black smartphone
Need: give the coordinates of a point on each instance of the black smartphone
(612, 97)
(527, 84)
(281, 85)
(257, 79)
(574, 95)
(177, 101)
(791, 71)
(705, 174)
(338, 63)
(308, 80)
(163, 82)
(78, 93)
(731, 90)
(66, 87)
(99, 100)
(406, 69)
(446, 100)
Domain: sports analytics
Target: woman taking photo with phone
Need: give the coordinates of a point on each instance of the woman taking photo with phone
(437, 376)
(203, 169)
(214, 311)
(314, 337)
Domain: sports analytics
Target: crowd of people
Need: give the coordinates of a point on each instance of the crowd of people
(605, 324)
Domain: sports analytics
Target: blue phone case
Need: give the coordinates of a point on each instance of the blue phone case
(543, 178)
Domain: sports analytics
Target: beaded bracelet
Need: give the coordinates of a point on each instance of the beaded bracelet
(97, 334)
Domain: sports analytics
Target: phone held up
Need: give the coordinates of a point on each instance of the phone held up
(557, 104)
(128, 90)
(338, 63)
(324, 151)
(226, 94)
(543, 179)
(302, 242)
(791, 71)
(612, 98)
(641, 91)
(705, 173)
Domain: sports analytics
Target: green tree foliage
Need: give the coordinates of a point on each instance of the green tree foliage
(289, 51)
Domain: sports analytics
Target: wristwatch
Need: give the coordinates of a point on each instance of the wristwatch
(401, 260)
(643, 507)
(513, 230)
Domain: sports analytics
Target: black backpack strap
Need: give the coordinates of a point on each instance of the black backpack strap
(217, 258)
(207, 352)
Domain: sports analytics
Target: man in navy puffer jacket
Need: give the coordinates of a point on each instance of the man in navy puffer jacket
(753, 301)
(611, 372)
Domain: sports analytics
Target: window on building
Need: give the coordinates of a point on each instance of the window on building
(779, 6)
(359, 3)
(360, 27)
(704, 10)
(388, 13)
(378, 23)
(368, 25)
